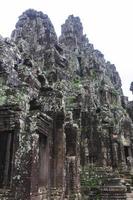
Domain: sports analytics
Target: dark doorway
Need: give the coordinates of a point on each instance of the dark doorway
(44, 160)
(6, 157)
(126, 151)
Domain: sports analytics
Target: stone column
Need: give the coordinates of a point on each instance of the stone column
(57, 158)
(72, 162)
(23, 159)
(35, 166)
(115, 154)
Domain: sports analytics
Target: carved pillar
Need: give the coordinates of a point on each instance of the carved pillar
(23, 160)
(115, 154)
(57, 158)
(104, 154)
(72, 162)
(111, 147)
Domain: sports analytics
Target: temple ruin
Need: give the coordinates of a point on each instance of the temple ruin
(66, 128)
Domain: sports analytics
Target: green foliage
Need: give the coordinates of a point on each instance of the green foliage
(94, 75)
(76, 83)
(89, 177)
(2, 96)
(70, 100)
(2, 100)
(114, 92)
(90, 182)
(84, 129)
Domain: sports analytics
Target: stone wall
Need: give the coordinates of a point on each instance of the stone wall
(62, 110)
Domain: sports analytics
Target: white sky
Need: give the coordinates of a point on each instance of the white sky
(107, 23)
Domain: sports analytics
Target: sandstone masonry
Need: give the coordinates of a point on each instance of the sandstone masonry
(66, 129)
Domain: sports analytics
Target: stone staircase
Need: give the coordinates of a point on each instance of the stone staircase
(112, 188)
(6, 194)
(107, 184)
(129, 196)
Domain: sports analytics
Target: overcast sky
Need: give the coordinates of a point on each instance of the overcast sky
(107, 23)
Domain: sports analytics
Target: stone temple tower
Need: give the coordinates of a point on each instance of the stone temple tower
(64, 121)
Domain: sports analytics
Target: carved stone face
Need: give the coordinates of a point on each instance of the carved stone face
(52, 77)
(44, 37)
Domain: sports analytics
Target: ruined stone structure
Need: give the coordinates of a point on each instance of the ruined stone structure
(62, 113)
